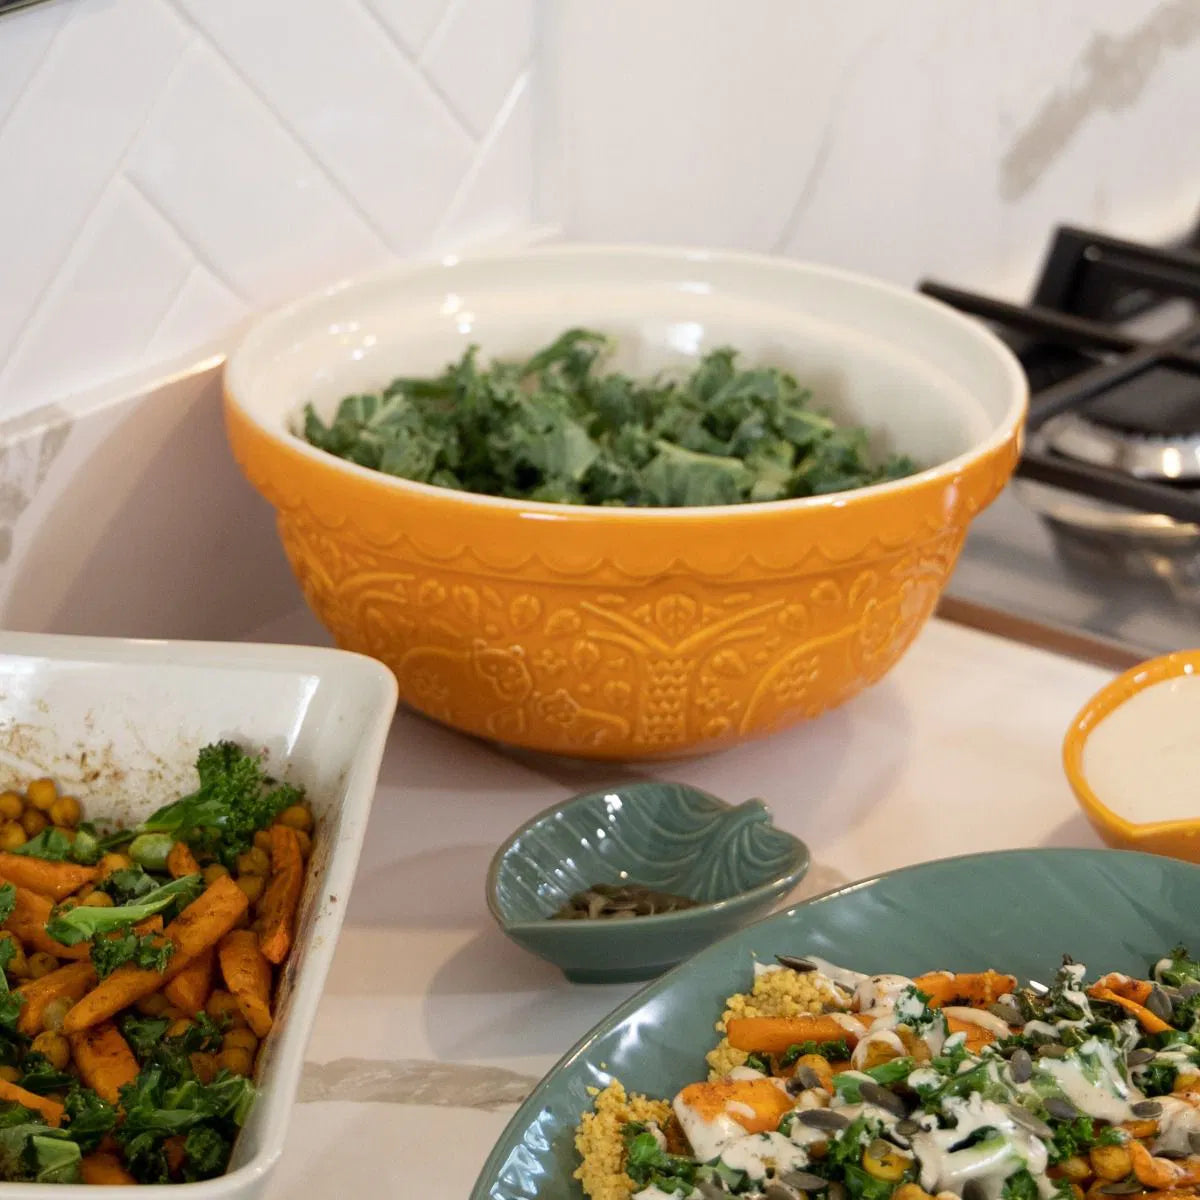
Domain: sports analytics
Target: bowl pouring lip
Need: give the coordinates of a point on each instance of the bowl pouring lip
(240, 367)
(1103, 704)
(801, 859)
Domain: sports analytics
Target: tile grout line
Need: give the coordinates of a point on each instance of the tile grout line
(201, 257)
(342, 190)
(118, 173)
(27, 86)
(443, 23)
(464, 126)
(499, 121)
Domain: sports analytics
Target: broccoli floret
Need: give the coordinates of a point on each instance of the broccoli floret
(236, 799)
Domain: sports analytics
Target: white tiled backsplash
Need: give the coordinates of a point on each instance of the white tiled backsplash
(896, 137)
(169, 167)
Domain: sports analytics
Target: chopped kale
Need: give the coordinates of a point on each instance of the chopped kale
(556, 428)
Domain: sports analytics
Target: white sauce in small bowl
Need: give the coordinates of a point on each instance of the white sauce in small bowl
(1143, 760)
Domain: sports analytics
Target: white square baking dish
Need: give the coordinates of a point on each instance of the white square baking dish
(118, 723)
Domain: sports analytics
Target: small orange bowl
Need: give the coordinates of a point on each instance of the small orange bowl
(1174, 838)
(629, 633)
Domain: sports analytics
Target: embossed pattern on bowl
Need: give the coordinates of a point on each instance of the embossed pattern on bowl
(630, 633)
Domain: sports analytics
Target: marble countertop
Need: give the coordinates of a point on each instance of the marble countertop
(434, 1026)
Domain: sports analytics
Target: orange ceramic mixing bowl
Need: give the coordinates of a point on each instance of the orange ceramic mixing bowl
(630, 633)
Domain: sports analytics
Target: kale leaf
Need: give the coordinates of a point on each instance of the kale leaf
(647, 1163)
(838, 1051)
(10, 1001)
(89, 1117)
(1178, 968)
(148, 951)
(82, 922)
(143, 1033)
(556, 428)
(32, 1152)
(128, 884)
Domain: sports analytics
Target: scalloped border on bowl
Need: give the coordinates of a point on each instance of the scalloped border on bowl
(1176, 839)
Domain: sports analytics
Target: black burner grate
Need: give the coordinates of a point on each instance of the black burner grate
(1079, 358)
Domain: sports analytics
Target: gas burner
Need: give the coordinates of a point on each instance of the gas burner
(1112, 454)
(1144, 456)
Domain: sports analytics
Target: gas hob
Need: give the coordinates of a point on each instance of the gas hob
(1097, 542)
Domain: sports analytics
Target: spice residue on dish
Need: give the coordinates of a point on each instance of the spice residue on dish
(617, 901)
(837, 1085)
(137, 971)
(556, 428)
(1143, 759)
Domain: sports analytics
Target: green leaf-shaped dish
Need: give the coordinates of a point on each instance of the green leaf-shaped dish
(1018, 911)
(665, 835)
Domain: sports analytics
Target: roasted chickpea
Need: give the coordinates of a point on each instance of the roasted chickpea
(205, 1066)
(240, 1039)
(12, 835)
(253, 862)
(113, 862)
(42, 793)
(9, 1074)
(213, 872)
(153, 1005)
(98, 900)
(252, 885)
(41, 963)
(297, 816)
(33, 822)
(55, 1013)
(66, 810)
(240, 1062)
(11, 805)
(222, 1006)
(55, 1048)
(262, 839)
(178, 1027)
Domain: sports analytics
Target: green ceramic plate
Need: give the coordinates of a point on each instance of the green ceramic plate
(1018, 911)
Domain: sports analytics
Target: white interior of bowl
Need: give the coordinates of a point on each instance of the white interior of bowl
(118, 723)
(923, 379)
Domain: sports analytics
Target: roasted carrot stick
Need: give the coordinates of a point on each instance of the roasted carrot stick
(277, 911)
(977, 1037)
(189, 990)
(1137, 990)
(105, 1060)
(1148, 1021)
(181, 861)
(50, 1109)
(755, 1104)
(27, 921)
(54, 879)
(773, 1035)
(200, 926)
(970, 989)
(71, 981)
(104, 1170)
(247, 974)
